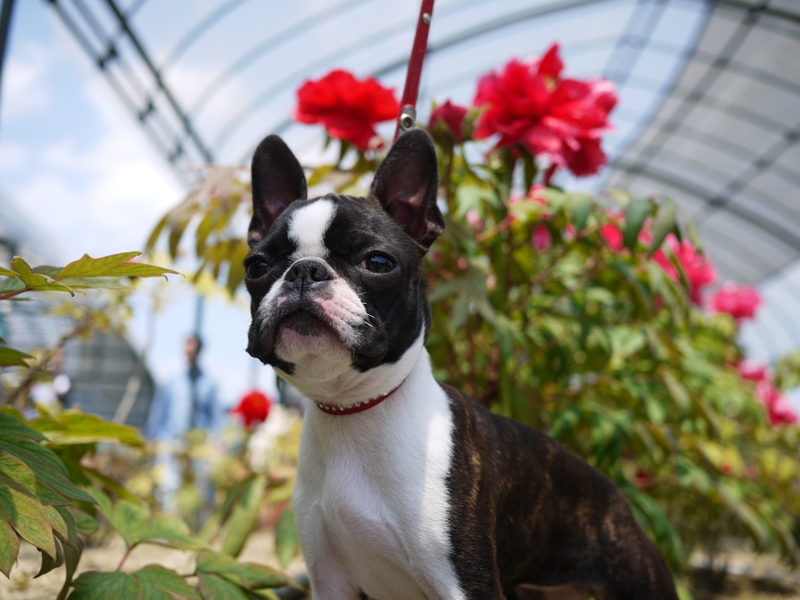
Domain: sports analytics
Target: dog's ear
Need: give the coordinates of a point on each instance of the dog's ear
(406, 184)
(278, 180)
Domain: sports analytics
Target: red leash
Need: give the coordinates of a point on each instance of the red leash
(408, 110)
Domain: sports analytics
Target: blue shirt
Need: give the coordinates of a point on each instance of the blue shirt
(171, 414)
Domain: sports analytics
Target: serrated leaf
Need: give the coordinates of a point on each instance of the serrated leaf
(114, 265)
(129, 519)
(662, 225)
(13, 358)
(244, 516)
(165, 580)
(248, 575)
(26, 515)
(212, 587)
(105, 283)
(635, 214)
(36, 281)
(286, 542)
(102, 586)
(9, 547)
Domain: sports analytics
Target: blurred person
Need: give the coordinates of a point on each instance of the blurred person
(188, 401)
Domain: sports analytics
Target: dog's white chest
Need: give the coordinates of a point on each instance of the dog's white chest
(371, 500)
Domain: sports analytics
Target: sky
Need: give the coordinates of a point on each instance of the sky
(77, 165)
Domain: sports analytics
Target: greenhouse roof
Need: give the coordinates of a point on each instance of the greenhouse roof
(708, 111)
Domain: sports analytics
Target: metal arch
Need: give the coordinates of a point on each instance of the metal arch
(774, 229)
(198, 30)
(446, 44)
(251, 56)
(628, 47)
(767, 10)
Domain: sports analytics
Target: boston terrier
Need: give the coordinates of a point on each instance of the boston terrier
(408, 489)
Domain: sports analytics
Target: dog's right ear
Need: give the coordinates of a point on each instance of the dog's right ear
(277, 180)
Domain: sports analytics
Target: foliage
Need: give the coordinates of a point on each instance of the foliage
(50, 496)
(581, 316)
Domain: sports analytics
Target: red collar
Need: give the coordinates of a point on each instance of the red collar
(332, 409)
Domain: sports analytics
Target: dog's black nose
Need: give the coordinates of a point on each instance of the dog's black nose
(309, 270)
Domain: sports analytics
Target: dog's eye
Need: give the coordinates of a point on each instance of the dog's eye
(257, 268)
(377, 263)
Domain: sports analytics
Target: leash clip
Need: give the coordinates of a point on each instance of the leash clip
(408, 118)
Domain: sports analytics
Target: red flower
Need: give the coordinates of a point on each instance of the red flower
(348, 107)
(449, 117)
(753, 372)
(776, 404)
(699, 271)
(740, 301)
(541, 238)
(253, 408)
(531, 105)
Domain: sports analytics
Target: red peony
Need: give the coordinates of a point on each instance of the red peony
(740, 301)
(253, 408)
(541, 238)
(450, 117)
(349, 108)
(529, 104)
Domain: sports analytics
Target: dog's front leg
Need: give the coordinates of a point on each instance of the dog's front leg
(329, 577)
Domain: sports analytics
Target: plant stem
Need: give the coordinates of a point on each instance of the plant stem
(12, 293)
(124, 557)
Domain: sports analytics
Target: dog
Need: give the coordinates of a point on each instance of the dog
(408, 489)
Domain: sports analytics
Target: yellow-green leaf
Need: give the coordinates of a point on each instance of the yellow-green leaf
(26, 515)
(114, 265)
(13, 358)
(35, 281)
(9, 547)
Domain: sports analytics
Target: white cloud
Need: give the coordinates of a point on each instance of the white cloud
(13, 156)
(25, 88)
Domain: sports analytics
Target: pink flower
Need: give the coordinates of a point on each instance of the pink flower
(530, 105)
(541, 238)
(753, 371)
(450, 118)
(699, 271)
(612, 235)
(349, 108)
(777, 405)
(740, 301)
(474, 219)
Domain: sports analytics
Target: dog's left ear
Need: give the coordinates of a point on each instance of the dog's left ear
(406, 184)
(278, 180)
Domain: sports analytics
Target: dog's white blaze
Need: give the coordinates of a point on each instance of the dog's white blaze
(308, 226)
(371, 498)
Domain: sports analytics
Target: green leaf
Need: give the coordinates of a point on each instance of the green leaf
(84, 523)
(244, 516)
(72, 557)
(13, 358)
(47, 466)
(9, 547)
(691, 231)
(635, 214)
(102, 586)
(676, 390)
(249, 575)
(36, 281)
(212, 587)
(663, 224)
(81, 428)
(286, 543)
(581, 209)
(14, 429)
(165, 580)
(26, 515)
(48, 563)
(115, 265)
(7, 273)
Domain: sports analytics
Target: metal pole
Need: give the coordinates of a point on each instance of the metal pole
(5, 27)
